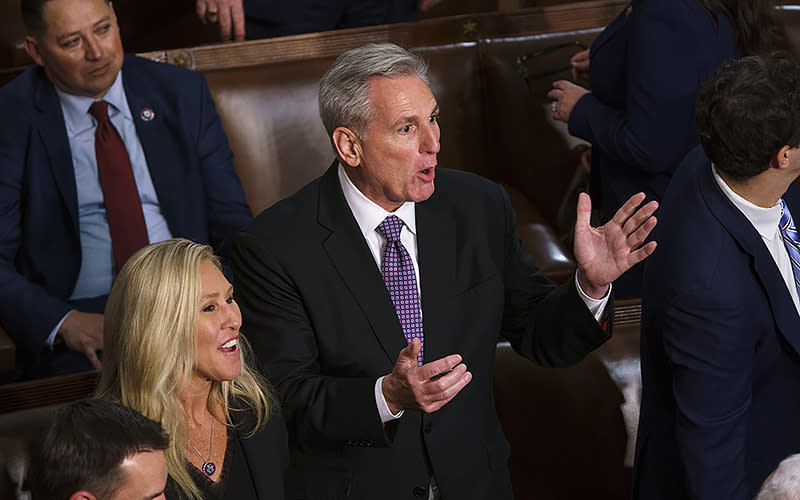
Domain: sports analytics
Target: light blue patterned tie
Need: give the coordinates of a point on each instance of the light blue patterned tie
(397, 270)
(792, 242)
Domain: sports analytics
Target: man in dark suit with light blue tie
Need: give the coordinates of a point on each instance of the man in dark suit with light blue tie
(375, 301)
(58, 252)
(720, 329)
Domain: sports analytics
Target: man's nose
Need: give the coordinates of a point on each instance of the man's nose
(94, 50)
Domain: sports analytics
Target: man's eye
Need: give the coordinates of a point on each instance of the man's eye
(72, 42)
(433, 118)
(405, 129)
(230, 300)
(104, 28)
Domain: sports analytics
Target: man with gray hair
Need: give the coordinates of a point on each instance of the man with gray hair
(784, 483)
(375, 302)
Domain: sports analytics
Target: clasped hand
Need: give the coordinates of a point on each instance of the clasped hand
(427, 387)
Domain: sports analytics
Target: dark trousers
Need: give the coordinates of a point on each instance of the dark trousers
(271, 18)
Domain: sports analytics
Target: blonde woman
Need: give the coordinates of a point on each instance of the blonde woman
(173, 352)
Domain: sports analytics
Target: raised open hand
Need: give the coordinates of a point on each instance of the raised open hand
(604, 253)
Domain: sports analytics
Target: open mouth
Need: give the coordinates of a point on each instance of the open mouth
(229, 346)
(428, 174)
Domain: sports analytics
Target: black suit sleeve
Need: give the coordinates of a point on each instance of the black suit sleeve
(547, 324)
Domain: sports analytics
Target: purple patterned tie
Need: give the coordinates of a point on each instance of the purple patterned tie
(398, 273)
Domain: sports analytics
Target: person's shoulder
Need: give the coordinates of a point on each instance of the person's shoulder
(160, 77)
(690, 236)
(291, 214)
(158, 68)
(459, 183)
(19, 100)
(689, 14)
(19, 91)
(674, 7)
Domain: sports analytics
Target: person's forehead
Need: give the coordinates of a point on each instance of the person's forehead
(401, 94)
(144, 474)
(65, 16)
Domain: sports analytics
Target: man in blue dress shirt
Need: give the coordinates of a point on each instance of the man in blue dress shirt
(56, 252)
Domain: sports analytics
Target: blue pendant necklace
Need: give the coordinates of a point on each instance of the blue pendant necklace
(209, 467)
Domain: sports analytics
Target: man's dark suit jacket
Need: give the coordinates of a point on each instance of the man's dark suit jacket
(646, 67)
(189, 162)
(720, 343)
(323, 324)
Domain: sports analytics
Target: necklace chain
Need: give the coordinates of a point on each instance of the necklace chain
(208, 466)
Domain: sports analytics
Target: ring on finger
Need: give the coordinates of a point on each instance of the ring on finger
(554, 106)
(211, 16)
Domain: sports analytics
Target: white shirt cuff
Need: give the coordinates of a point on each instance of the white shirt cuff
(596, 306)
(51, 339)
(383, 408)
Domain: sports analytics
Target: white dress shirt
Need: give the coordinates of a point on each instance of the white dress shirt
(767, 222)
(368, 216)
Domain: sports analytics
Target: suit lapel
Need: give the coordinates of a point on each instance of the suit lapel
(783, 308)
(254, 449)
(353, 260)
(436, 237)
(49, 121)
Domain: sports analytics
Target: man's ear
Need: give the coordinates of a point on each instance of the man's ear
(347, 145)
(32, 48)
(781, 158)
(82, 495)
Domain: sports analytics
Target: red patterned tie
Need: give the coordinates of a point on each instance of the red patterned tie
(120, 195)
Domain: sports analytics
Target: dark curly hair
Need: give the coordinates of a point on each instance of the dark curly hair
(748, 111)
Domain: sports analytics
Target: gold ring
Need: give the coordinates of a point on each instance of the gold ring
(211, 16)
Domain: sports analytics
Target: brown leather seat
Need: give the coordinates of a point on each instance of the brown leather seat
(567, 432)
(266, 95)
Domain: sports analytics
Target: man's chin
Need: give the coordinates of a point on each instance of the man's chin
(425, 192)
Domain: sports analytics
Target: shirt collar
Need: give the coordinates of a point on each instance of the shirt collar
(76, 108)
(765, 220)
(369, 214)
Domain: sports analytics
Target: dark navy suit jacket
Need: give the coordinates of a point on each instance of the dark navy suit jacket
(720, 344)
(646, 68)
(189, 161)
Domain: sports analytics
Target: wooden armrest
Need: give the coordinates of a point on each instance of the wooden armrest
(47, 391)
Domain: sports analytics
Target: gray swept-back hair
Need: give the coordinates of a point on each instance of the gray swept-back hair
(344, 99)
(784, 483)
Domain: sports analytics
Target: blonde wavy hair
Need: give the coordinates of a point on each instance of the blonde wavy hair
(150, 346)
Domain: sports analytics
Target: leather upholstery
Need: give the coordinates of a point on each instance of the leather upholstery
(490, 126)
